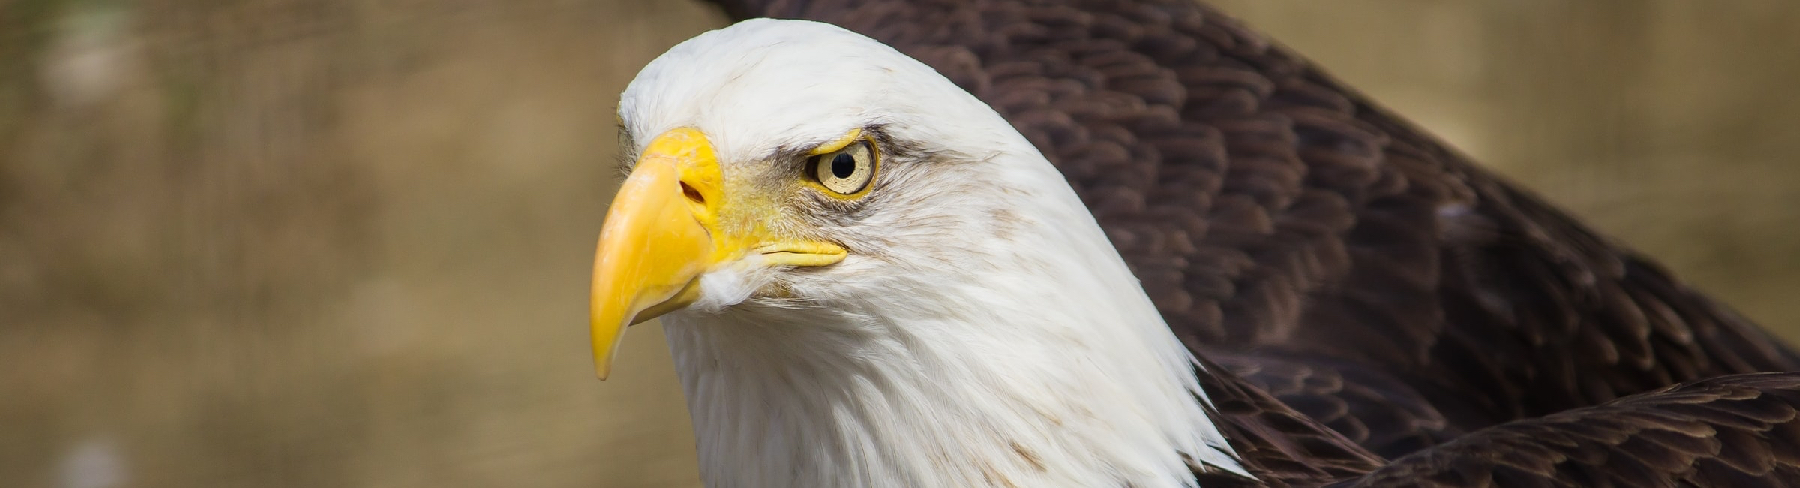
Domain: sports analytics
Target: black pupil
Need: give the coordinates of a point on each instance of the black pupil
(843, 165)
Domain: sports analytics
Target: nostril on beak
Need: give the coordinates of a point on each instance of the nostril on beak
(692, 194)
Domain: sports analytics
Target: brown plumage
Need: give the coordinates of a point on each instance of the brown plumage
(1343, 262)
(1738, 431)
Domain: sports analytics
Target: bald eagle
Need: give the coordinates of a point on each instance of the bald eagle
(868, 277)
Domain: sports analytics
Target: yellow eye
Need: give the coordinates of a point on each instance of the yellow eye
(846, 171)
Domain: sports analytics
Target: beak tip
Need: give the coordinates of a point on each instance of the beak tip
(603, 356)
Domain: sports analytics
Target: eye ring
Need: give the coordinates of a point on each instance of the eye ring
(847, 172)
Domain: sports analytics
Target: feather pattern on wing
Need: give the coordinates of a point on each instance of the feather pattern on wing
(1738, 431)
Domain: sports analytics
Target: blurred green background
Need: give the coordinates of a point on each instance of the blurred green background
(333, 243)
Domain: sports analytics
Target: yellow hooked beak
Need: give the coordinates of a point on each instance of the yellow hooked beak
(664, 231)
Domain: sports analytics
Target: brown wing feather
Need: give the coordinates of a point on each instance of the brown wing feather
(1263, 204)
(1279, 446)
(1731, 431)
(1369, 407)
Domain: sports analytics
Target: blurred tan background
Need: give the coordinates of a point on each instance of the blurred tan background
(331, 243)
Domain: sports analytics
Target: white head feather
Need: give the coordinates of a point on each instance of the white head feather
(982, 332)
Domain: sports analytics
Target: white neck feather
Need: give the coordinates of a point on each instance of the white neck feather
(997, 366)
